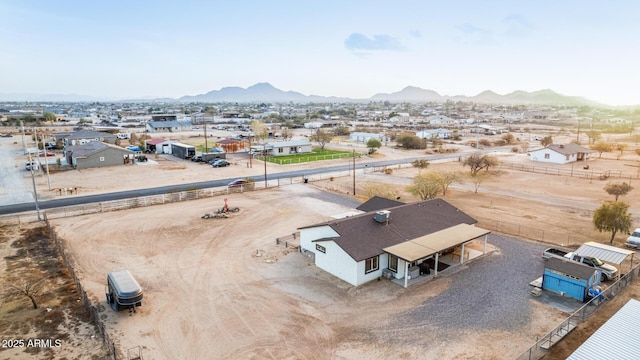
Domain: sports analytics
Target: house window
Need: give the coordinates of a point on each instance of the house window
(393, 263)
(546, 156)
(371, 264)
(292, 150)
(101, 158)
(321, 248)
(280, 150)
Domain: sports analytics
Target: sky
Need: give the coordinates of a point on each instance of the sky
(148, 49)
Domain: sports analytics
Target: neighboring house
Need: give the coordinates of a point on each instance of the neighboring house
(96, 154)
(441, 120)
(84, 136)
(157, 146)
(434, 134)
(363, 137)
(400, 242)
(289, 147)
(560, 153)
(168, 126)
(165, 117)
(569, 278)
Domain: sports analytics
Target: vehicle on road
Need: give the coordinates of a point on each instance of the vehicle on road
(31, 165)
(553, 252)
(47, 154)
(607, 272)
(220, 163)
(7, 135)
(238, 183)
(633, 241)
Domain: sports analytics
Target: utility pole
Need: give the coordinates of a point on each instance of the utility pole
(46, 161)
(33, 182)
(24, 145)
(354, 172)
(264, 153)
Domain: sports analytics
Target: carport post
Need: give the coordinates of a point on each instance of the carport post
(435, 268)
(484, 248)
(462, 254)
(406, 272)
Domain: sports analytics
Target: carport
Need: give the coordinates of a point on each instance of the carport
(434, 243)
(604, 252)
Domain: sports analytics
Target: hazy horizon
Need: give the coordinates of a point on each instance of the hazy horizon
(146, 50)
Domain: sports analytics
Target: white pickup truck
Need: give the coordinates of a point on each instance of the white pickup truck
(608, 272)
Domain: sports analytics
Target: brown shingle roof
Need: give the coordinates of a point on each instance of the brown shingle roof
(362, 237)
(378, 203)
(569, 149)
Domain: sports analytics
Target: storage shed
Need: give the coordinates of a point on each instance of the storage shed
(569, 278)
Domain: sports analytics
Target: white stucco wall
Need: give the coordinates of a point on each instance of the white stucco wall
(337, 262)
(308, 235)
(554, 157)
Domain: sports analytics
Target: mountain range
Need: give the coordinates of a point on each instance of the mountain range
(265, 92)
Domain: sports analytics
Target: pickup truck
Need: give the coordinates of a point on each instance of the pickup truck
(553, 252)
(607, 272)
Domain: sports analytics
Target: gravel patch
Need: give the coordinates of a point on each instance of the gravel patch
(490, 293)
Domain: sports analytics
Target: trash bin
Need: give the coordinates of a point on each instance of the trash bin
(306, 180)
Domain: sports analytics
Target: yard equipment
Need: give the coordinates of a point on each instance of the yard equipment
(221, 213)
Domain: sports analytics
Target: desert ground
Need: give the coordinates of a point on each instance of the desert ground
(222, 288)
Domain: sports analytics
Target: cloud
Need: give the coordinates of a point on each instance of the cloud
(474, 34)
(416, 34)
(517, 26)
(360, 42)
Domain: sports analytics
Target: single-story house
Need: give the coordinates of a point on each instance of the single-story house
(168, 126)
(434, 134)
(570, 278)
(401, 242)
(96, 154)
(84, 136)
(560, 153)
(157, 146)
(363, 137)
(289, 147)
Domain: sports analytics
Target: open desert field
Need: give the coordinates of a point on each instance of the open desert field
(222, 288)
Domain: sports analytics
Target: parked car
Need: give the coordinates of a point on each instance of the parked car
(47, 154)
(220, 163)
(197, 158)
(238, 183)
(633, 241)
(31, 164)
(7, 135)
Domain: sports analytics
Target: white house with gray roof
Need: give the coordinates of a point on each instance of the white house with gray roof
(560, 153)
(168, 126)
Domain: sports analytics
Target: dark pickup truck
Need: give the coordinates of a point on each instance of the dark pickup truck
(553, 252)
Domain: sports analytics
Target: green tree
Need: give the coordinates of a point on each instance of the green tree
(373, 144)
(420, 164)
(602, 147)
(612, 217)
(410, 141)
(321, 137)
(478, 161)
(618, 189)
(49, 116)
(445, 179)
(426, 186)
(259, 129)
(477, 179)
(546, 141)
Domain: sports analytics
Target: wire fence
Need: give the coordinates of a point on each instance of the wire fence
(310, 158)
(93, 311)
(543, 344)
(574, 171)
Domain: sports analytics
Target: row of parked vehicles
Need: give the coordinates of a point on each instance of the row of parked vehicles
(212, 162)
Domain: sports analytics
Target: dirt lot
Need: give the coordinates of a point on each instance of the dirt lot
(224, 289)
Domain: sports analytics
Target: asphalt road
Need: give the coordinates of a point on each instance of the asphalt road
(80, 200)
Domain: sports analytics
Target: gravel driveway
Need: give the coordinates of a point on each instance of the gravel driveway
(14, 182)
(491, 293)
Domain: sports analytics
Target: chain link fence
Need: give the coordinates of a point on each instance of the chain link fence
(540, 348)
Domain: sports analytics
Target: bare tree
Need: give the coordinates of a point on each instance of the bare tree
(445, 179)
(286, 134)
(32, 287)
(478, 161)
(602, 147)
(477, 179)
(546, 141)
(618, 189)
(420, 164)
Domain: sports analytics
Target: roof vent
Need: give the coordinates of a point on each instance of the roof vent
(561, 146)
(382, 216)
